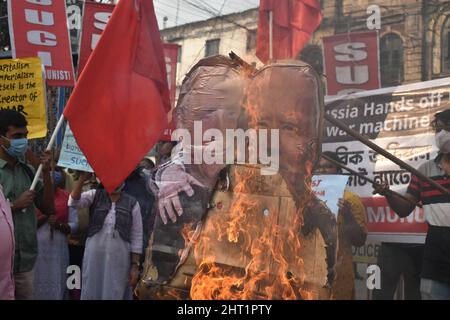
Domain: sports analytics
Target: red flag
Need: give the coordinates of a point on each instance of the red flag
(118, 108)
(293, 23)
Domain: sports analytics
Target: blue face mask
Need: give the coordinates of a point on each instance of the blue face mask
(57, 177)
(17, 147)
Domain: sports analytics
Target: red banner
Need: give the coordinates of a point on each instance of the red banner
(39, 28)
(171, 55)
(95, 18)
(351, 62)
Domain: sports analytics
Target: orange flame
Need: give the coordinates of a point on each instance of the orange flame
(244, 254)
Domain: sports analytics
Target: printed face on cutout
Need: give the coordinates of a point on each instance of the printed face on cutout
(286, 99)
(213, 96)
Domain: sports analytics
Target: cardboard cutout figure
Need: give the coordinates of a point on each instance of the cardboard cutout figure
(265, 236)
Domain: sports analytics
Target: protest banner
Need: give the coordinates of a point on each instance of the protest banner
(398, 119)
(351, 62)
(22, 89)
(329, 188)
(39, 28)
(71, 156)
(95, 18)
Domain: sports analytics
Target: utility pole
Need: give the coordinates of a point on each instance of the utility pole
(178, 10)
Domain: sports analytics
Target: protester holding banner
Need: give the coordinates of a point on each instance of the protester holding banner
(16, 178)
(352, 231)
(435, 277)
(53, 247)
(6, 249)
(114, 235)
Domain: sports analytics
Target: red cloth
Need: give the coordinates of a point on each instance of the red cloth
(61, 207)
(119, 107)
(293, 23)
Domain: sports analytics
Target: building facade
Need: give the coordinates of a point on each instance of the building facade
(414, 38)
(220, 35)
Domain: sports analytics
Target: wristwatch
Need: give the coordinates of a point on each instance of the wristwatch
(137, 264)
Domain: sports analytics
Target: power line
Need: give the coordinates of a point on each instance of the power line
(209, 34)
(185, 10)
(178, 11)
(217, 15)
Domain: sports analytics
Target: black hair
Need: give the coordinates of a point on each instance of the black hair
(335, 157)
(11, 118)
(149, 161)
(444, 116)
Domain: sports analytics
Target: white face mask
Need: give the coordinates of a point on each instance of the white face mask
(443, 141)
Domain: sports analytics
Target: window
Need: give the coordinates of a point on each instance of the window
(391, 60)
(212, 47)
(445, 47)
(339, 8)
(251, 40)
(313, 56)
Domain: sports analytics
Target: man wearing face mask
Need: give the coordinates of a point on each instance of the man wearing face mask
(16, 178)
(136, 186)
(435, 277)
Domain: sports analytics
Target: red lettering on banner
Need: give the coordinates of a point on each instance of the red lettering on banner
(382, 219)
(351, 62)
(39, 28)
(320, 193)
(316, 183)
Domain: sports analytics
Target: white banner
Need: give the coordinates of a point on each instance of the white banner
(71, 155)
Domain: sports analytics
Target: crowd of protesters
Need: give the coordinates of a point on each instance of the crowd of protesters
(38, 228)
(69, 219)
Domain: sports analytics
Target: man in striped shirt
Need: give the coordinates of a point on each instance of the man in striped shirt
(435, 277)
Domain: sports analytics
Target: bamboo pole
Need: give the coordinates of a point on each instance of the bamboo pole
(384, 153)
(49, 147)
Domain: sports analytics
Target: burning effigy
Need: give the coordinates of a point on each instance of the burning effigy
(243, 222)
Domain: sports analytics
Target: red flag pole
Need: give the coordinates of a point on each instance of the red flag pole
(39, 170)
(49, 147)
(270, 35)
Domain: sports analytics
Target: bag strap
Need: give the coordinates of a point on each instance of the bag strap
(27, 170)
